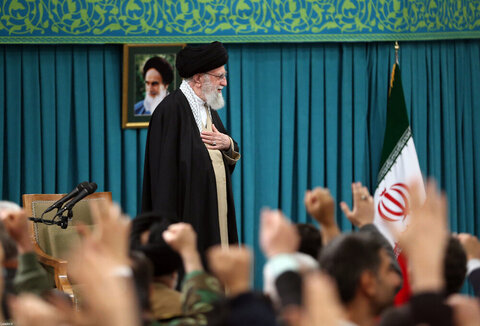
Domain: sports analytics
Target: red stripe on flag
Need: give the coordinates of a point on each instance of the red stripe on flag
(405, 292)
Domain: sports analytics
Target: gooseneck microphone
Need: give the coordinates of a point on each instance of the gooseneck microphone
(89, 189)
(59, 203)
(81, 191)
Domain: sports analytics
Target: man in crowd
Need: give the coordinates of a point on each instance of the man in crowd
(189, 157)
(157, 74)
(365, 275)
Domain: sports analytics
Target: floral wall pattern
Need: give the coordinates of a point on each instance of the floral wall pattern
(170, 21)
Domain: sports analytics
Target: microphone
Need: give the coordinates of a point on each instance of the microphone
(81, 191)
(59, 203)
(89, 189)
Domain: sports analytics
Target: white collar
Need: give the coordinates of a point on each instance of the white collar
(197, 105)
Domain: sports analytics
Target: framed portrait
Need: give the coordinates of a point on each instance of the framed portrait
(149, 74)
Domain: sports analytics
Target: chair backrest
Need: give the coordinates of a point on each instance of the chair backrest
(52, 239)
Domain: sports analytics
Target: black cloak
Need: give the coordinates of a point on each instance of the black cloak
(179, 181)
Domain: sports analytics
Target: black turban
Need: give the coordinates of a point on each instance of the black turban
(162, 66)
(193, 60)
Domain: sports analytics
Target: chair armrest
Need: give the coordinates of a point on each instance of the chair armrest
(60, 267)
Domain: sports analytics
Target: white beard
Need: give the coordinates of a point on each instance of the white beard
(213, 97)
(151, 102)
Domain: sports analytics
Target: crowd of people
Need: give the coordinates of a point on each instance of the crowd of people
(130, 271)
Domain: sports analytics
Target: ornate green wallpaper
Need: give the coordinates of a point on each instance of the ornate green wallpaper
(173, 21)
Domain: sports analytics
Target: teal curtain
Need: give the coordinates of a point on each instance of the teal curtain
(304, 115)
(60, 111)
(310, 115)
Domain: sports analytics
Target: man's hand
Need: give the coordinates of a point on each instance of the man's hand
(321, 206)
(112, 229)
(215, 139)
(470, 244)
(466, 310)
(321, 301)
(363, 208)
(30, 310)
(277, 234)
(232, 267)
(16, 224)
(425, 239)
(183, 239)
(101, 264)
(108, 288)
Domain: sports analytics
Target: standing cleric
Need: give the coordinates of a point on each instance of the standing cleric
(189, 156)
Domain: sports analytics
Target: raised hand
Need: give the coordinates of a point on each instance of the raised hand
(111, 230)
(277, 234)
(107, 287)
(363, 208)
(466, 310)
(425, 239)
(321, 206)
(232, 267)
(470, 244)
(31, 310)
(321, 301)
(183, 239)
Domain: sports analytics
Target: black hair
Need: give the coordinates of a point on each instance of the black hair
(310, 239)
(163, 258)
(455, 266)
(346, 257)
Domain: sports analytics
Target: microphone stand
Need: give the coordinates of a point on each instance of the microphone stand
(63, 223)
(63, 219)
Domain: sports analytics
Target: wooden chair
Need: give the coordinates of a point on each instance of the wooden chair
(52, 243)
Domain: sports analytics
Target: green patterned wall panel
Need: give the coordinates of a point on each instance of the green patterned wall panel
(170, 21)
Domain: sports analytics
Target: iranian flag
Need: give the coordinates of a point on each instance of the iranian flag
(398, 166)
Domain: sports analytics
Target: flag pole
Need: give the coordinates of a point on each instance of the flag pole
(397, 48)
(392, 76)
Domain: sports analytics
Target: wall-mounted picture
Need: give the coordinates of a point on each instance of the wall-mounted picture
(149, 75)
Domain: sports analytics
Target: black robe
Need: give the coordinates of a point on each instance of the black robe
(179, 181)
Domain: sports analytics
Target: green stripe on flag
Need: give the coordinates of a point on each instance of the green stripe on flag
(397, 130)
(392, 158)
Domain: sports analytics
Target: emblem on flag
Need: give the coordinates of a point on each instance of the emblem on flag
(393, 204)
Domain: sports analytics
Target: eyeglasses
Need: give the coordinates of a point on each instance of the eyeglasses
(222, 76)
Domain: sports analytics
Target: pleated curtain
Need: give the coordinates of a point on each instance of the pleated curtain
(304, 115)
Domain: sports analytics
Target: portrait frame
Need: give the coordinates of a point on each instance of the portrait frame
(133, 86)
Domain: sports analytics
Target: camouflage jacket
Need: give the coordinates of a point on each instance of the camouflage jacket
(200, 291)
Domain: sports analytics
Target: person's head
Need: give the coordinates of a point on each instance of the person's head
(140, 229)
(455, 266)
(310, 239)
(204, 69)
(157, 74)
(8, 244)
(362, 269)
(146, 237)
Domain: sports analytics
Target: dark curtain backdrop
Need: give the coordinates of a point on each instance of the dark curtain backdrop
(304, 115)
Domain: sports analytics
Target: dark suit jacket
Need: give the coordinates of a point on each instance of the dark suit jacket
(474, 279)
